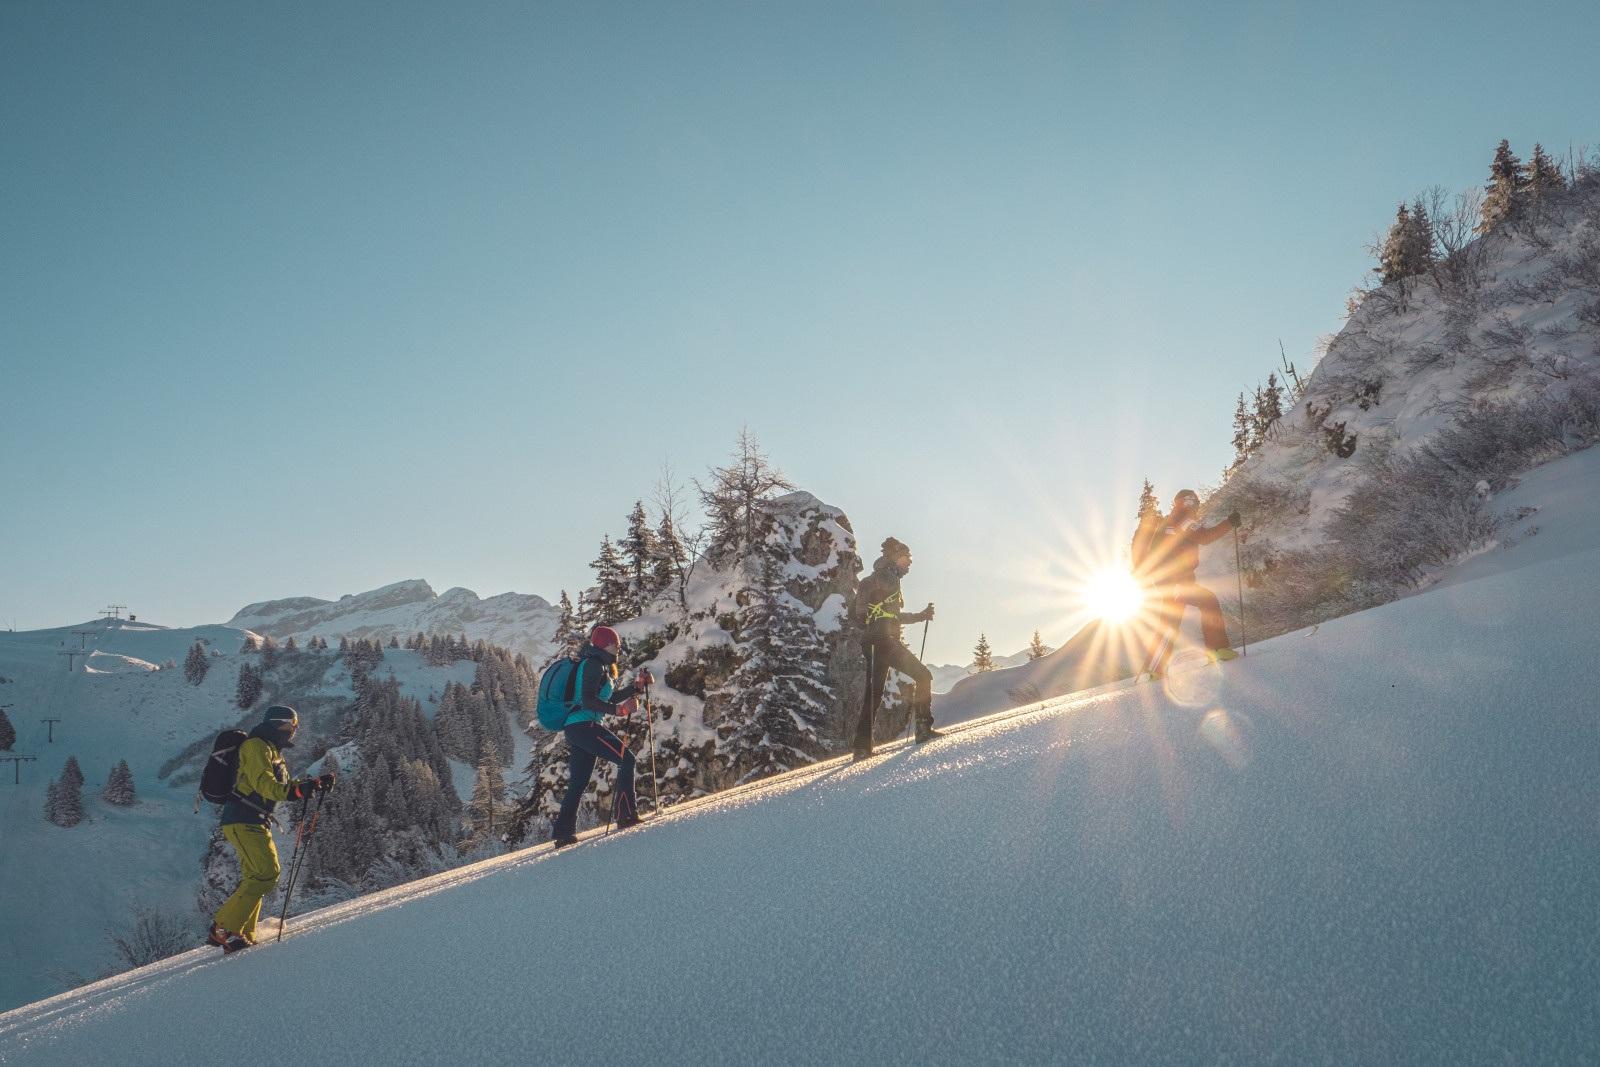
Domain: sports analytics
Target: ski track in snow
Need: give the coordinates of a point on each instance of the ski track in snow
(1375, 844)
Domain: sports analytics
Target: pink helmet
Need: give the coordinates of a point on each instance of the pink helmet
(605, 637)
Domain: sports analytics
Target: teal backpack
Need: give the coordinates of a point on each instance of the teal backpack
(559, 693)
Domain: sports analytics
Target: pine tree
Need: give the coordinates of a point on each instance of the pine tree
(610, 600)
(63, 800)
(1243, 444)
(982, 656)
(394, 641)
(487, 809)
(1269, 409)
(779, 697)
(733, 498)
(8, 733)
(1508, 180)
(269, 653)
(1036, 647)
(565, 639)
(195, 664)
(290, 645)
(1544, 178)
(1147, 492)
(250, 644)
(1421, 246)
(248, 689)
(671, 556)
(1392, 266)
(119, 786)
(639, 553)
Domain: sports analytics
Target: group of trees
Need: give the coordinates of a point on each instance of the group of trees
(1429, 235)
(397, 815)
(8, 733)
(252, 679)
(630, 573)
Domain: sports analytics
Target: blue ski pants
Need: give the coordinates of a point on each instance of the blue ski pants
(587, 742)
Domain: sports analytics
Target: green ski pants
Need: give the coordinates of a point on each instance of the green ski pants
(258, 876)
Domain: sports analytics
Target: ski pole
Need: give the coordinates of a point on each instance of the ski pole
(923, 651)
(302, 836)
(1238, 562)
(650, 732)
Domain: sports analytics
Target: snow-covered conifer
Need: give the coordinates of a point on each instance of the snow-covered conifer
(8, 733)
(119, 785)
(639, 552)
(250, 644)
(64, 797)
(290, 645)
(1544, 178)
(778, 696)
(248, 689)
(195, 664)
(71, 773)
(1037, 648)
(610, 600)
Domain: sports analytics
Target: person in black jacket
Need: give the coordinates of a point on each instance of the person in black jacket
(588, 740)
(1170, 565)
(879, 605)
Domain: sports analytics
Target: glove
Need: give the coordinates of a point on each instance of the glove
(927, 612)
(644, 678)
(627, 708)
(1235, 519)
(306, 786)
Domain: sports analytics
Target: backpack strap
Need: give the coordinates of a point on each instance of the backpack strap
(573, 687)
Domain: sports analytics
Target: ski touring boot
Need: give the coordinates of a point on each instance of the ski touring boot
(1223, 655)
(860, 752)
(234, 942)
(563, 842)
(217, 936)
(925, 732)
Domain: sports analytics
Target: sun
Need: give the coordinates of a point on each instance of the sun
(1112, 595)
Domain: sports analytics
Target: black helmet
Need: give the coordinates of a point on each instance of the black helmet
(281, 721)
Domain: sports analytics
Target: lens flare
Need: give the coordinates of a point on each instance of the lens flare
(1113, 595)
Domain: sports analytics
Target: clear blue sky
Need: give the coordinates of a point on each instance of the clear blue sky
(308, 298)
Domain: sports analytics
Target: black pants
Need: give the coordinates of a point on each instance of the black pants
(587, 742)
(1175, 600)
(885, 654)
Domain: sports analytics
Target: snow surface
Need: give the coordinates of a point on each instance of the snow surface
(1374, 842)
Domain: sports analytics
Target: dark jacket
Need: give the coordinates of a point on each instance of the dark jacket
(596, 697)
(1141, 551)
(880, 606)
(1175, 554)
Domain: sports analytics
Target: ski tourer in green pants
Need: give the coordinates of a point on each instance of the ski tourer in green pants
(263, 781)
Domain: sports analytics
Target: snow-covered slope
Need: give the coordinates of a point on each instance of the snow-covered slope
(521, 622)
(1374, 843)
(947, 675)
(67, 888)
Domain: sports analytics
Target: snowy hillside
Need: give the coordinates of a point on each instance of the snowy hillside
(1439, 389)
(1371, 843)
(519, 621)
(80, 883)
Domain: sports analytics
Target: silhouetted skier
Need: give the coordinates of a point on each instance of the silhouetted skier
(878, 608)
(1170, 564)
